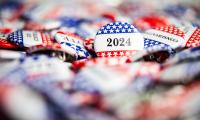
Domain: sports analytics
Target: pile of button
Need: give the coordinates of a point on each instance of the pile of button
(99, 60)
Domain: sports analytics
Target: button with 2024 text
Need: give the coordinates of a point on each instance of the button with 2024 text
(118, 39)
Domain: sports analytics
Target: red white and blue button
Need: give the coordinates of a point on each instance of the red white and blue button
(164, 36)
(118, 39)
(24, 38)
(72, 42)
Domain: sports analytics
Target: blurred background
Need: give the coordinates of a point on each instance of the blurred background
(40, 87)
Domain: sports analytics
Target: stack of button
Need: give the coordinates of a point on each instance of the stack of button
(100, 59)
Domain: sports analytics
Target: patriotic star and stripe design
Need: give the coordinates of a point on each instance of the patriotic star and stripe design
(4, 43)
(118, 39)
(168, 35)
(172, 30)
(72, 42)
(192, 37)
(117, 27)
(120, 53)
(25, 38)
(149, 43)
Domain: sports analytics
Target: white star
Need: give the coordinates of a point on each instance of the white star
(117, 23)
(121, 53)
(105, 31)
(103, 54)
(120, 26)
(109, 54)
(108, 27)
(123, 30)
(129, 30)
(126, 26)
(99, 32)
(115, 54)
(117, 30)
(114, 26)
(111, 31)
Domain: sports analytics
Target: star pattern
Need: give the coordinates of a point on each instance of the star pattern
(148, 43)
(80, 50)
(4, 43)
(127, 53)
(172, 30)
(194, 39)
(76, 43)
(16, 38)
(117, 27)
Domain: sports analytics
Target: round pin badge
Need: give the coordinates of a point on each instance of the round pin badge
(168, 36)
(118, 39)
(70, 40)
(24, 38)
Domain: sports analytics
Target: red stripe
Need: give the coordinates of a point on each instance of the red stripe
(116, 53)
